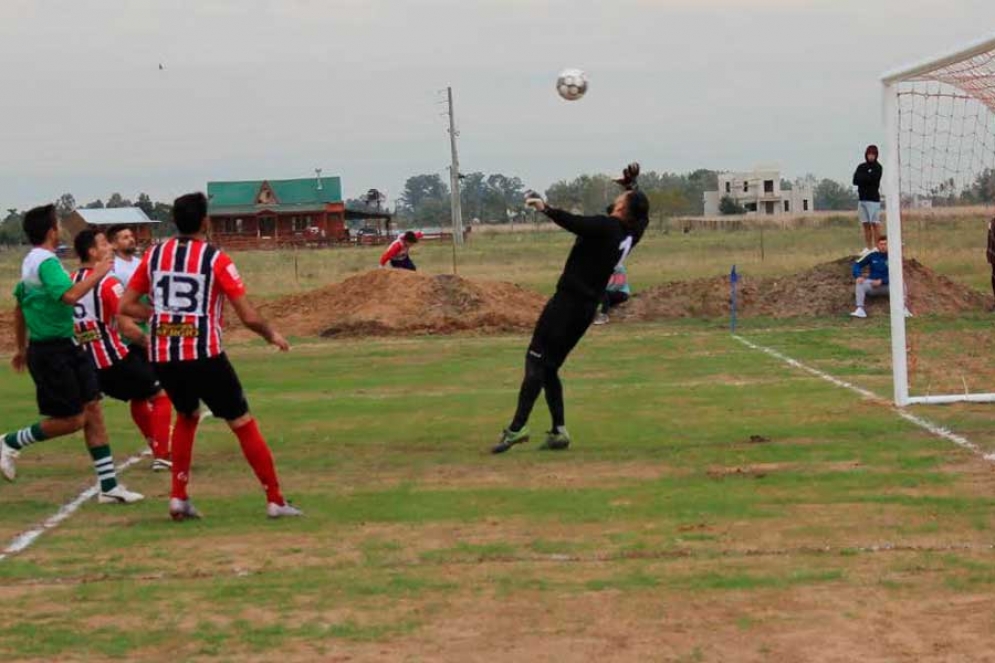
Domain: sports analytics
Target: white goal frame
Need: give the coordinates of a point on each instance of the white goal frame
(893, 197)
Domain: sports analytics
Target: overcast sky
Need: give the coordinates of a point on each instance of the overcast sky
(256, 89)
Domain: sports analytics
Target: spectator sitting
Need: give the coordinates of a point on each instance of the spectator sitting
(617, 292)
(875, 284)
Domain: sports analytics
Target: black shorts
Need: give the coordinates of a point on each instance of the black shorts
(561, 325)
(131, 379)
(213, 381)
(65, 377)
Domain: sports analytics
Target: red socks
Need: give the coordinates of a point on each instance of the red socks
(152, 418)
(161, 416)
(253, 447)
(260, 458)
(183, 435)
(141, 414)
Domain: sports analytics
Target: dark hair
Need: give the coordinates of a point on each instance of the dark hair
(410, 237)
(637, 207)
(86, 240)
(871, 149)
(883, 238)
(188, 212)
(37, 223)
(113, 231)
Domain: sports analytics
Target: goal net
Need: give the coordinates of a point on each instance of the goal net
(939, 169)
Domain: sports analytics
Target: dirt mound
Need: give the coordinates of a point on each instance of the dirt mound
(824, 290)
(388, 302)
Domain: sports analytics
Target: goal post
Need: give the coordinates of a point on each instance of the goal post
(939, 122)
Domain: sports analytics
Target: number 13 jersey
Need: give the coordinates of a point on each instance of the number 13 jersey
(186, 281)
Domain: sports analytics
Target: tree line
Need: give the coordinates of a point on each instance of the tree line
(10, 226)
(498, 198)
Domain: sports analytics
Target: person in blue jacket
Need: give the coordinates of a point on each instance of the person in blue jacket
(875, 284)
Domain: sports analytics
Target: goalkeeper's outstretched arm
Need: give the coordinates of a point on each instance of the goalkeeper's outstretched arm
(583, 225)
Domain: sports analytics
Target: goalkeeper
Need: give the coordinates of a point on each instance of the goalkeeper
(602, 243)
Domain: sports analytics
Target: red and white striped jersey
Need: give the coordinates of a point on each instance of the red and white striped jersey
(95, 320)
(186, 281)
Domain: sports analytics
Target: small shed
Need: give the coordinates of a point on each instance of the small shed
(105, 218)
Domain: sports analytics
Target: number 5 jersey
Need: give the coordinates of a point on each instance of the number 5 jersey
(95, 319)
(186, 281)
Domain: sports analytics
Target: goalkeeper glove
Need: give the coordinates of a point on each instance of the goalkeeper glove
(629, 178)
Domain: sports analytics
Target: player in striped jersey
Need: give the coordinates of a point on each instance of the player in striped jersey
(122, 371)
(65, 380)
(187, 281)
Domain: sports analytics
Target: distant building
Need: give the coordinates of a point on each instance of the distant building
(268, 213)
(109, 217)
(760, 194)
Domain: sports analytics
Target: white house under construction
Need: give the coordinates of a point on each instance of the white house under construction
(760, 194)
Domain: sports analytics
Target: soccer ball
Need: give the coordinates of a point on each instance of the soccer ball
(572, 84)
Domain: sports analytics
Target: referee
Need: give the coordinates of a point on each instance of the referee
(603, 242)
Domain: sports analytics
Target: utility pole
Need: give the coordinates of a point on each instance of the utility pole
(454, 180)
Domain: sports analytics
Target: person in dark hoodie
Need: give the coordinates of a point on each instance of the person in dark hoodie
(867, 179)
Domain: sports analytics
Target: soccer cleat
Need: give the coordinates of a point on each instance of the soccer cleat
(7, 465)
(859, 313)
(908, 313)
(601, 319)
(162, 465)
(285, 510)
(119, 495)
(182, 510)
(510, 438)
(556, 441)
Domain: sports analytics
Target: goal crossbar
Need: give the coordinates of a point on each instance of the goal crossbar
(915, 70)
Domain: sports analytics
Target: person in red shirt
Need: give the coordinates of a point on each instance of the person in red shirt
(398, 253)
(123, 373)
(187, 281)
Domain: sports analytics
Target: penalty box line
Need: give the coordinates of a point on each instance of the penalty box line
(925, 424)
(25, 540)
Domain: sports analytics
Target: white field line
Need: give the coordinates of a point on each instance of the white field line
(925, 424)
(24, 540)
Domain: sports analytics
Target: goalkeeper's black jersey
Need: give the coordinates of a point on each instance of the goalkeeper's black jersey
(602, 243)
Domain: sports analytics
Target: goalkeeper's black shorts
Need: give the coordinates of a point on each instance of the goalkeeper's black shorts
(561, 325)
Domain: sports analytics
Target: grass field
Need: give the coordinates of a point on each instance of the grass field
(840, 533)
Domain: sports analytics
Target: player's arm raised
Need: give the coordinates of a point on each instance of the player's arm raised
(578, 225)
(79, 290)
(251, 318)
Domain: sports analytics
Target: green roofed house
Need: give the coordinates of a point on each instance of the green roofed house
(271, 213)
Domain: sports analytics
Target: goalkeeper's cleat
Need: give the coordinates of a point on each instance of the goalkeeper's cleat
(859, 313)
(510, 438)
(162, 465)
(556, 441)
(285, 510)
(119, 495)
(601, 319)
(8, 466)
(908, 313)
(182, 510)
